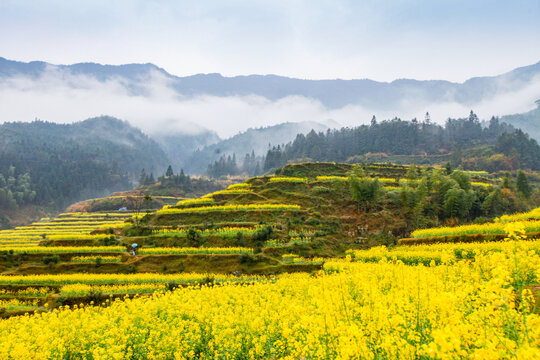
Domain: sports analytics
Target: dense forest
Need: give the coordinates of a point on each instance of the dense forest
(227, 165)
(15, 189)
(54, 165)
(498, 146)
(475, 145)
(178, 184)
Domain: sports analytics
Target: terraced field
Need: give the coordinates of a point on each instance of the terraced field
(85, 257)
(67, 226)
(266, 225)
(208, 278)
(407, 303)
(496, 230)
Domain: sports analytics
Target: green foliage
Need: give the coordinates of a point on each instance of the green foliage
(67, 162)
(439, 196)
(413, 172)
(462, 178)
(366, 192)
(523, 184)
(448, 168)
(393, 137)
(458, 203)
(497, 203)
(51, 259)
(247, 259)
(98, 262)
(508, 182)
(194, 237)
(110, 241)
(226, 165)
(169, 171)
(15, 189)
(321, 190)
(262, 235)
(523, 149)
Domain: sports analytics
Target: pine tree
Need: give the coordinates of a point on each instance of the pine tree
(143, 178)
(427, 119)
(169, 172)
(523, 184)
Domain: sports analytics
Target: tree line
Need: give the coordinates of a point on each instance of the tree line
(400, 137)
(176, 184)
(227, 165)
(435, 196)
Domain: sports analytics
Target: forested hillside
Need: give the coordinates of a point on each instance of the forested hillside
(491, 146)
(52, 165)
(248, 148)
(180, 147)
(528, 122)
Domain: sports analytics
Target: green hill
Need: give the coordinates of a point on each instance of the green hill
(293, 221)
(48, 165)
(315, 209)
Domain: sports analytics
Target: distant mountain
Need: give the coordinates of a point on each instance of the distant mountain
(180, 147)
(129, 146)
(332, 93)
(70, 162)
(528, 122)
(256, 140)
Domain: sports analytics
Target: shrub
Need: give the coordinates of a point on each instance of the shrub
(194, 237)
(51, 259)
(320, 190)
(247, 259)
(262, 235)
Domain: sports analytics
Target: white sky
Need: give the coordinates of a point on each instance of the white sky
(316, 39)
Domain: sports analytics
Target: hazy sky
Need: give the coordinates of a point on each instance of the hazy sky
(382, 40)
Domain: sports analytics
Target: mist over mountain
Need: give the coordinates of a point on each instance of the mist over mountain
(180, 147)
(257, 141)
(529, 121)
(331, 93)
(153, 100)
(70, 162)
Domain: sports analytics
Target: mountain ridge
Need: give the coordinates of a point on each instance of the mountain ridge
(333, 93)
(5, 61)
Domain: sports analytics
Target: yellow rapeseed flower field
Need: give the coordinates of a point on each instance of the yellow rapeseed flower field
(533, 214)
(487, 228)
(193, 250)
(239, 186)
(288, 179)
(224, 208)
(352, 310)
(190, 202)
(102, 279)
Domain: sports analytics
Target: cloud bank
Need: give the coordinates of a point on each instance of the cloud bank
(60, 96)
